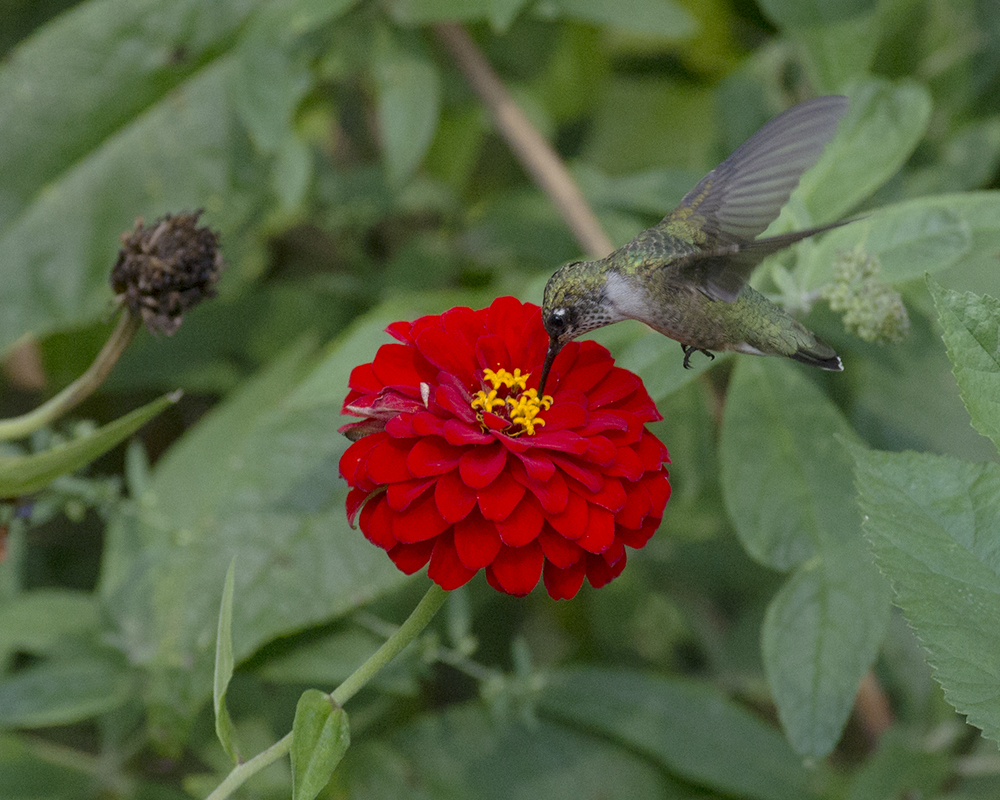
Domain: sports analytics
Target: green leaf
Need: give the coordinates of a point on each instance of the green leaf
(932, 522)
(876, 136)
(466, 752)
(648, 17)
(63, 691)
(224, 728)
(821, 633)
(115, 109)
(901, 768)
(409, 100)
(34, 622)
(788, 486)
(687, 728)
(786, 478)
(420, 12)
(21, 475)
(26, 774)
(321, 736)
(800, 13)
(971, 326)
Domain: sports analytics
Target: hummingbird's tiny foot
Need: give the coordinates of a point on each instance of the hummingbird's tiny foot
(689, 349)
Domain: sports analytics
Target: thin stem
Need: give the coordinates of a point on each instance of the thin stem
(531, 149)
(406, 633)
(415, 623)
(81, 388)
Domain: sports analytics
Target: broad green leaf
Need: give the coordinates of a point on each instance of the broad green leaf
(841, 52)
(35, 621)
(115, 109)
(689, 729)
(787, 483)
(409, 99)
(21, 475)
(821, 634)
(648, 17)
(63, 691)
(321, 736)
(418, 12)
(900, 768)
(466, 752)
(786, 478)
(932, 522)
(971, 325)
(26, 774)
(800, 13)
(224, 728)
(881, 128)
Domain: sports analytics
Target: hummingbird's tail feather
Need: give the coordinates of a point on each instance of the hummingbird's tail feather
(819, 354)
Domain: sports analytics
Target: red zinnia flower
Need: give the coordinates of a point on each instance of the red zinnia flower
(459, 463)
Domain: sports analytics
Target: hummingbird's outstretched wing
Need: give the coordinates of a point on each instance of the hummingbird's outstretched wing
(742, 196)
(721, 273)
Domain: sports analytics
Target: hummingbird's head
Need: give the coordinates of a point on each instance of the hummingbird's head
(573, 304)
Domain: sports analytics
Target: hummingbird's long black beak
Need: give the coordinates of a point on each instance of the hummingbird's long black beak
(554, 347)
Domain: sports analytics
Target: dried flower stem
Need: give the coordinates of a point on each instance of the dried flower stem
(81, 388)
(393, 646)
(531, 149)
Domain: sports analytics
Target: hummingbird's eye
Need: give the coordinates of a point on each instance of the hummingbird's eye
(556, 322)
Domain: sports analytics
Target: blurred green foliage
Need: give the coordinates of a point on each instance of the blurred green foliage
(356, 179)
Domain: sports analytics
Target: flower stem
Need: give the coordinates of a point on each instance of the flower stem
(81, 388)
(406, 633)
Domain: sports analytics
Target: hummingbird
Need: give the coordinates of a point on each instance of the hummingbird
(686, 277)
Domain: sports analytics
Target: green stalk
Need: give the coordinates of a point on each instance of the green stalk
(78, 390)
(407, 632)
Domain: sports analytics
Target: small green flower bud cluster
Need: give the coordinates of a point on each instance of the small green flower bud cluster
(871, 309)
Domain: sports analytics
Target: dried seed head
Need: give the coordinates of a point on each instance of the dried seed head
(166, 269)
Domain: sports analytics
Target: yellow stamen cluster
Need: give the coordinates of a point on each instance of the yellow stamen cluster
(524, 404)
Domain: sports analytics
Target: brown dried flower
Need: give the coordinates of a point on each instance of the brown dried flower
(166, 269)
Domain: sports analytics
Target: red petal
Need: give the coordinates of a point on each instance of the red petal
(476, 542)
(419, 522)
(572, 522)
(397, 364)
(558, 549)
(601, 451)
(426, 424)
(401, 495)
(659, 492)
(617, 384)
(614, 553)
(462, 433)
(592, 364)
(563, 584)
(408, 558)
(454, 499)
(401, 331)
(352, 463)
(553, 494)
(363, 380)
(376, 523)
(447, 353)
(637, 507)
(499, 499)
(627, 465)
(537, 464)
(387, 461)
(456, 403)
(564, 441)
(523, 524)
(590, 478)
(446, 570)
(564, 415)
(355, 500)
(432, 456)
(480, 465)
(600, 531)
(600, 420)
(491, 353)
(638, 538)
(611, 495)
(600, 573)
(651, 452)
(517, 569)
(400, 427)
